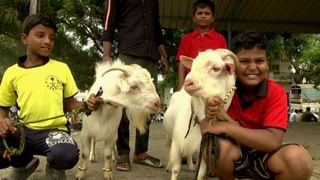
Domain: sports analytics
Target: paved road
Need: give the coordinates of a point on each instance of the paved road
(306, 134)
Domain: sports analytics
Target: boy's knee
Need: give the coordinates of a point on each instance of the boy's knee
(293, 159)
(63, 156)
(301, 159)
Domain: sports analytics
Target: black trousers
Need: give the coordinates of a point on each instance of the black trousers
(58, 146)
(142, 140)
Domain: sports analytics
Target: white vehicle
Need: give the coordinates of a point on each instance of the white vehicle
(302, 96)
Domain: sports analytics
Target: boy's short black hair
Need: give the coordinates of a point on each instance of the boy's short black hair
(248, 40)
(203, 4)
(35, 19)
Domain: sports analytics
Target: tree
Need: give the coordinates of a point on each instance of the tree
(69, 43)
(311, 57)
(301, 50)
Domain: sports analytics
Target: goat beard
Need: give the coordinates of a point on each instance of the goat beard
(139, 117)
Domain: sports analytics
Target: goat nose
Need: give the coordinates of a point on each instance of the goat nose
(188, 83)
(157, 103)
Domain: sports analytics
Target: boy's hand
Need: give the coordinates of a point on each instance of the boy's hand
(94, 102)
(219, 127)
(164, 62)
(213, 107)
(6, 127)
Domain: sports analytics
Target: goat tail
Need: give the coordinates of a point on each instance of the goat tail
(139, 117)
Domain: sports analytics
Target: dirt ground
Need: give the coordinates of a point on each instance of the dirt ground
(307, 134)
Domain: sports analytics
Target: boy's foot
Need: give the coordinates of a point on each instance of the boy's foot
(147, 160)
(53, 174)
(24, 172)
(123, 163)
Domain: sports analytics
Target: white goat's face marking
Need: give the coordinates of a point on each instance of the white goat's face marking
(209, 75)
(131, 88)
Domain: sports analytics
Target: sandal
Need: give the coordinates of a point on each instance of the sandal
(123, 163)
(149, 161)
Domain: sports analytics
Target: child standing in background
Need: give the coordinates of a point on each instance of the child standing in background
(201, 38)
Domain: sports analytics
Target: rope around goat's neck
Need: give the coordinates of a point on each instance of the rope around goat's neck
(227, 96)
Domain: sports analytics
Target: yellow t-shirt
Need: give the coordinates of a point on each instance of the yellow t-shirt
(39, 92)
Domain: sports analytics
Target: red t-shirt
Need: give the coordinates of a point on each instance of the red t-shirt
(268, 109)
(194, 42)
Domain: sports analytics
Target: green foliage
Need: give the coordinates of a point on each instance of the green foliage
(301, 50)
(74, 32)
(311, 57)
(83, 19)
(173, 37)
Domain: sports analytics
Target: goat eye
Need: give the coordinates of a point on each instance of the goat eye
(134, 87)
(215, 69)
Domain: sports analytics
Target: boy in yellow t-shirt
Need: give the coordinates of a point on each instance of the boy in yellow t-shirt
(42, 89)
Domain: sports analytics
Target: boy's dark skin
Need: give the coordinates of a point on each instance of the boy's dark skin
(289, 162)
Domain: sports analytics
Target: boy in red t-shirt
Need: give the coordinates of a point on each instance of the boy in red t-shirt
(260, 107)
(201, 38)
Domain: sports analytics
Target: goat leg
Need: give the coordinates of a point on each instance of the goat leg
(85, 141)
(92, 155)
(108, 150)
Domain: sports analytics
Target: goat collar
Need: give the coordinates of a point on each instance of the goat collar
(227, 96)
(116, 69)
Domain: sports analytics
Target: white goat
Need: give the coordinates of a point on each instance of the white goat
(127, 86)
(212, 74)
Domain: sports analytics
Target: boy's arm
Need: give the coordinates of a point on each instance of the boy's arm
(5, 123)
(93, 103)
(164, 58)
(266, 140)
(181, 75)
(182, 50)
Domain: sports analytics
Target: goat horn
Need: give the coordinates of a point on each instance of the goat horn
(116, 69)
(225, 53)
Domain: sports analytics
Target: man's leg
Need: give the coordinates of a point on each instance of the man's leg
(141, 148)
(123, 147)
(291, 162)
(142, 140)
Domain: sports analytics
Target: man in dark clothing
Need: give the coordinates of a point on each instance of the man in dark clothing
(308, 116)
(140, 42)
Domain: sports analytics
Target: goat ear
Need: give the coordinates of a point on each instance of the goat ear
(230, 68)
(123, 85)
(115, 100)
(229, 58)
(186, 61)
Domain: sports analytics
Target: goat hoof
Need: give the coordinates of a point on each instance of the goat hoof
(80, 175)
(93, 161)
(108, 178)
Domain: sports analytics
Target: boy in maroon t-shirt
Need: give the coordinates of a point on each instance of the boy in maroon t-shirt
(260, 107)
(201, 38)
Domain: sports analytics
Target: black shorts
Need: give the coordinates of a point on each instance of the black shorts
(252, 164)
